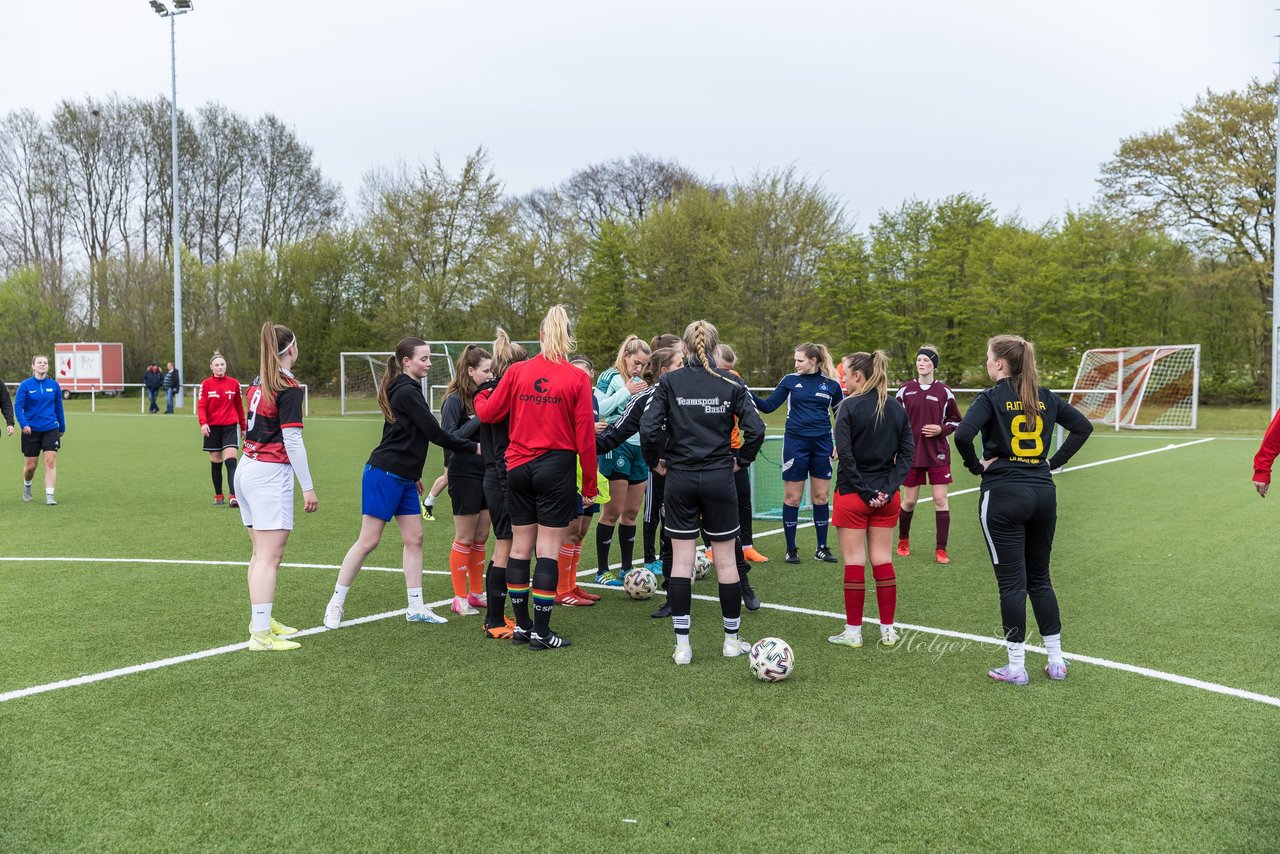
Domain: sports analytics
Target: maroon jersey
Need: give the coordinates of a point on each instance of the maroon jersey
(264, 438)
(931, 404)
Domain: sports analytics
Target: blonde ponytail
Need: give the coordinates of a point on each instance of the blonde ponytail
(275, 341)
(505, 352)
(557, 341)
(874, 368)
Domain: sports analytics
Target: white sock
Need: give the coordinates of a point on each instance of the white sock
(682, 641)
(27, 483)
(260, 618)
(852, 630)
(415, 597)
(48, 490)
(340, 594)
(431, 501)
(1018, 656)
(1053, 643)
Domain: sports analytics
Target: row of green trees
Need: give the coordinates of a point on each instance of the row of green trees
(643, 246)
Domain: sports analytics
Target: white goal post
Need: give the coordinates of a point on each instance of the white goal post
(360, 372)
(1142, 388)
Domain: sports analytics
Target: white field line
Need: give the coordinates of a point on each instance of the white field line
(166, 662)
(174, 562)
(924, 498)
(947, 633)
(192, 656)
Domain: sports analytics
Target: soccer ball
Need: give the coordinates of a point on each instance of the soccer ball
(701, 563)
(639, 583)
(771, 659)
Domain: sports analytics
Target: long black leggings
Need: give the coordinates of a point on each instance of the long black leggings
(742, 478)
(1018, 522)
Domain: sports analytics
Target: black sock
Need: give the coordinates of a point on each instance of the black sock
(546, 572)
(680, 595)
(944, 527)
(731, 606)
(495, 584)
(217, 477)
(626, 545)
(518, 591)
(904, 524)
(604, 539)
(231, 475)
(667, 558)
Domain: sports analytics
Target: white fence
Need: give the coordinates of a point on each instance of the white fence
(114, 390)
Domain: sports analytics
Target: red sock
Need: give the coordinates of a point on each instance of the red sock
(459, 561)
(886, 591)
(855, 594)
(475, 568)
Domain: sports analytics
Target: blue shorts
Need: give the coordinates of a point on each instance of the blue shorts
(383, 495)
(806, 458)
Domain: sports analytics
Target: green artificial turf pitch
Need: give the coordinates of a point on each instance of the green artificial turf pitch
(387, 734)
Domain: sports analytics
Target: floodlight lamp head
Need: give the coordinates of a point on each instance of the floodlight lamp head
(182, 5)
(159, 8)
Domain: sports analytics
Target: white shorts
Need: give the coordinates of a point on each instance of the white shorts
(265, 493)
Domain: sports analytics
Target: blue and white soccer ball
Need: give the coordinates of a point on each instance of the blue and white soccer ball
(639, 583)
(771, 659)
(701, 563)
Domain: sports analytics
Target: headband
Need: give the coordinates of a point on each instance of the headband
(933, 356)
(293, 339)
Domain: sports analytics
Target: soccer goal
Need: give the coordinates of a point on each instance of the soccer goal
(360, 373)
(1145, 388)
(767, 487)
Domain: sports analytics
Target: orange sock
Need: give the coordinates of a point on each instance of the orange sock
(475, 569)
(459, 560)
(565, 566)
(577, 558)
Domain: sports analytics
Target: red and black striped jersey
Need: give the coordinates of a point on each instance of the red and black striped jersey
(264, 438)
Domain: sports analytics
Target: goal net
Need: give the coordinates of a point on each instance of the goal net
(767, 487)
(359, 375)
(1148, 388)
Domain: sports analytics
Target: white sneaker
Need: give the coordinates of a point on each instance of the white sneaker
(333, 615)
(48, 499)
(849, 637)
(682, 655)
(462, 607)
(26, 492)
(734, 647)
(423, 614)
(888, 637)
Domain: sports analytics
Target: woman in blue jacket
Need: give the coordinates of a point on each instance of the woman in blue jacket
(38, 407)
(812, 394)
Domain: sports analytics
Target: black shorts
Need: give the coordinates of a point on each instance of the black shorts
(495, 496)
(466, 494)
(33, 443)
(544, 491)
(694, 501)
(221, 437)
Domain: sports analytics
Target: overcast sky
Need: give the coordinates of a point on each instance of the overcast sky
(1018, 101)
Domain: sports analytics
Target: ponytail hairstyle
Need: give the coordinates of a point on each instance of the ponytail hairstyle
(557, 339)
(1019, 356)
(506, 353)
(874, 368)
(462, 384)
(630, 347)
(583, 361)
(395, 367)
(666, 339)
(725, 354)
(275, 342)
(819, 351)
(701, 340)
(659, 361)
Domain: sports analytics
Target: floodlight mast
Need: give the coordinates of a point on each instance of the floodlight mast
(180, 7)
(1275, 267)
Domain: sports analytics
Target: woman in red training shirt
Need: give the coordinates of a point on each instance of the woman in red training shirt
(220, 411)
(1266, 455)
(547, 404)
